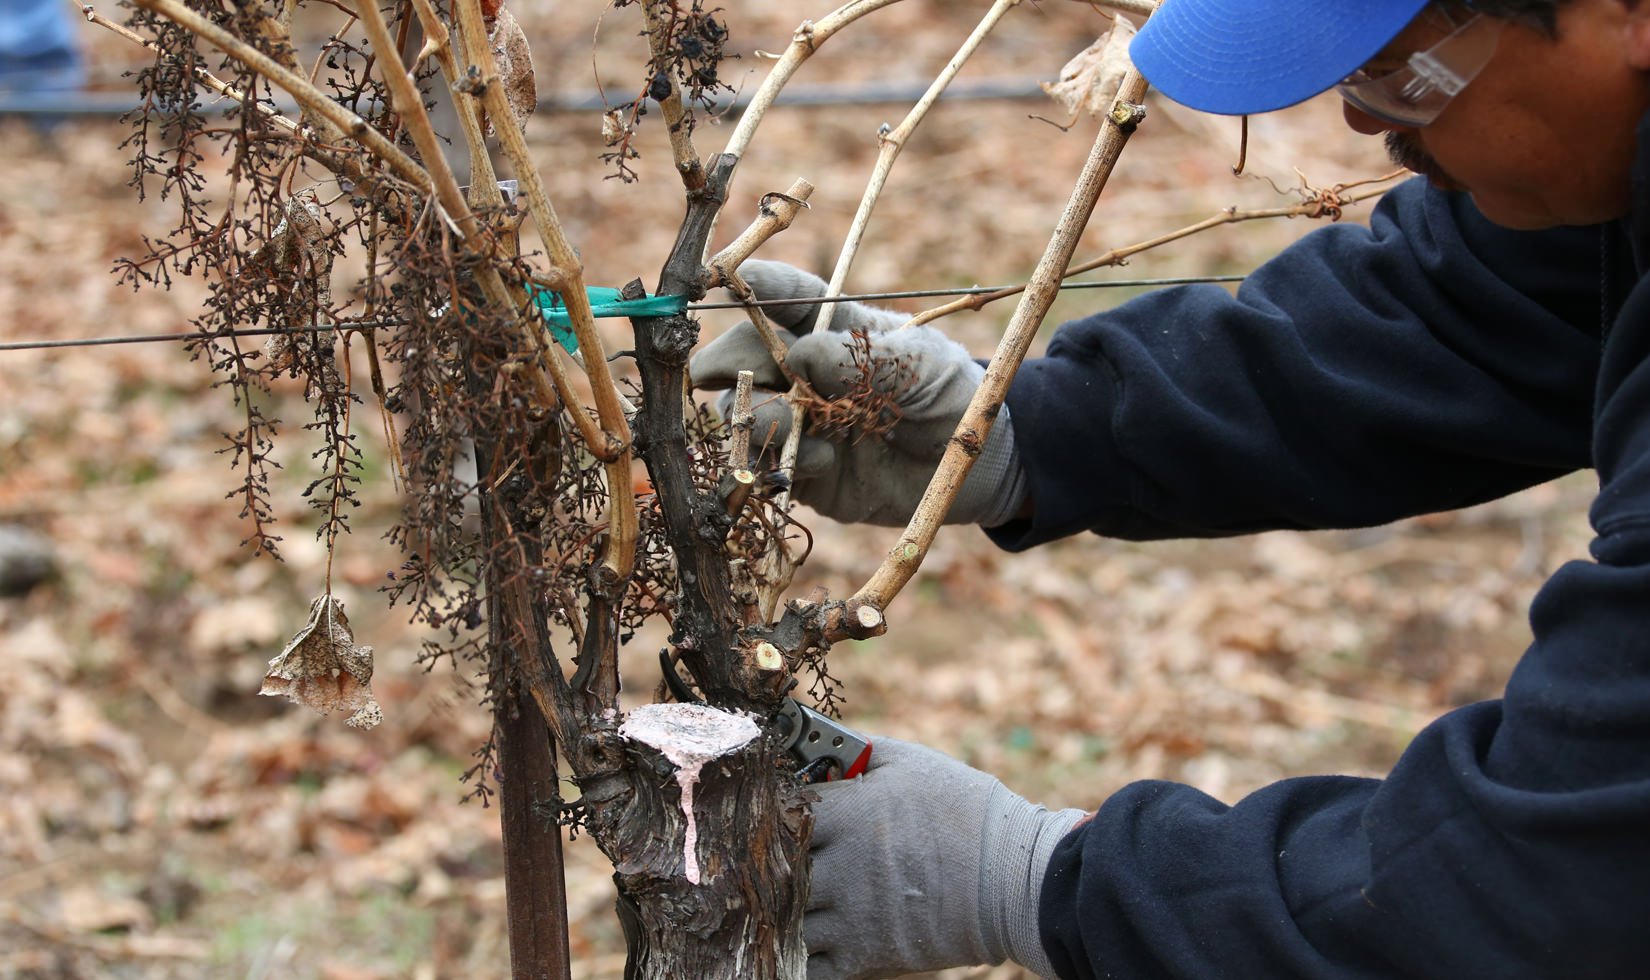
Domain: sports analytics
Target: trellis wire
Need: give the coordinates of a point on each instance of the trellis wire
(23, 345)
(77, 103)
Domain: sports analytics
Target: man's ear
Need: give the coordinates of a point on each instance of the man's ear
(1637, 33)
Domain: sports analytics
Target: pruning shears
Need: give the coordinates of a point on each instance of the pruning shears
(824, 748)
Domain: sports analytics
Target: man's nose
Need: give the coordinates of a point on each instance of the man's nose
(1363, 122)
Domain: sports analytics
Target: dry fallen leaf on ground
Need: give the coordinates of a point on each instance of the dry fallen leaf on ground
(84, 909)
(1089, 82)
(324, 668)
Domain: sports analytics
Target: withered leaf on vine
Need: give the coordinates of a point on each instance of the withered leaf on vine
(298, 252)
(614, 129)
(324, 668)
(1089, 82)
(515, 66)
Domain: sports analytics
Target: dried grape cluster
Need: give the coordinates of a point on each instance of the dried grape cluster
(688, 50)
(264, 240)
(502, 497)
(694, 43)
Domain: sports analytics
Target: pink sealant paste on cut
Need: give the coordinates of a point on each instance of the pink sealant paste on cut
(689, 735)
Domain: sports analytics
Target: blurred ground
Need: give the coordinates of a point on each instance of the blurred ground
(158, 819)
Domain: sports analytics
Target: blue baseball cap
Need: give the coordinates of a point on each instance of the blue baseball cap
(1237, 57)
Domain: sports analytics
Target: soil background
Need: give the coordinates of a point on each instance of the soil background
(159, 819)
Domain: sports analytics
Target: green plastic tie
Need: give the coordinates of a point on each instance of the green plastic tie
(604, 302)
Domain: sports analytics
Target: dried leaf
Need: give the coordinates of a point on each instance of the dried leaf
(299, 246)
(1089, 82)
(270, 26)
(515, 66)
(236, 624)
(324, 668)
(614, 129)
(87, 909)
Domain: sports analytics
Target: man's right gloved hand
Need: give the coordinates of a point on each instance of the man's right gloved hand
(924, 863)
(875, 479)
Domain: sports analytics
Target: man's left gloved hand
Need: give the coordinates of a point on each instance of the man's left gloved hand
(922, 864)
(876, 479)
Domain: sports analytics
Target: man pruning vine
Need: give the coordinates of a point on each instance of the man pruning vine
(1490, 330)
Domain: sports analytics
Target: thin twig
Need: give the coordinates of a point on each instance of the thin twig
(791, 449)
(566, 271)
(211, 81)
(375, 370)
(548, 376)
(296, 86)
(438, 42)
(893, 142)
(410, 104)
(340, 465)
(688, 165)
(485, 193)
(804, 42)
(1319, 206)
(736, 284)
(492, 285)
(778, 566)
(775, 212)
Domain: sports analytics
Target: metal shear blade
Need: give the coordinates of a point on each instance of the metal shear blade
(826, 748)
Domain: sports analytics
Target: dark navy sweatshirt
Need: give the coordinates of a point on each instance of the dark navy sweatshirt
(1429, 361)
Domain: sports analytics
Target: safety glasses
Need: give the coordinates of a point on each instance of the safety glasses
(1413, 95)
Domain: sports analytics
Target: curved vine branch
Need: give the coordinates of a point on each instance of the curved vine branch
(965, 443)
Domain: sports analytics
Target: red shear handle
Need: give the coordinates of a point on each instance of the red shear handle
(860, 763)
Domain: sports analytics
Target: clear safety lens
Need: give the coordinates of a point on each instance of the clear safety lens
(1415, 94)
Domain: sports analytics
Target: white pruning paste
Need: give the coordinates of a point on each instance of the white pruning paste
(689, 735)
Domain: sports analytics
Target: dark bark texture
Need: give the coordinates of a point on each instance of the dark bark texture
(744, 918)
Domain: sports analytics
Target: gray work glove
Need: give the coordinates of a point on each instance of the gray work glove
(923, 864)
(875, 479)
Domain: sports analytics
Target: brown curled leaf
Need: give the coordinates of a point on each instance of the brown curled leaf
(324, 668)
(1089, 82)
(614, 129)
(515, 66)
(298, 252)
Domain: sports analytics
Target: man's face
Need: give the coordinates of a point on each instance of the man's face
(1545, 135)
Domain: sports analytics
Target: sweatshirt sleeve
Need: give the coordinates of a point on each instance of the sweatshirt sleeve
(1426, 362)
(1511, 840)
